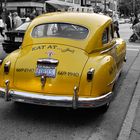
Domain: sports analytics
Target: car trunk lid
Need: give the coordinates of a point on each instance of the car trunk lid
(64, 66)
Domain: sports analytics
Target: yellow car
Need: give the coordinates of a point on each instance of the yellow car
(66, 60)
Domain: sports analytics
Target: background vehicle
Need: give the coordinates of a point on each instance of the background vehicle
(14, 38)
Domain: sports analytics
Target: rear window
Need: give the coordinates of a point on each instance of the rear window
(63, 30)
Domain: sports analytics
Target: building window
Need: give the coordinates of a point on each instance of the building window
(77, 1)
(70, 1)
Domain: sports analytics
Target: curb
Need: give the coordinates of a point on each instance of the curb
(130, 116)
(127, 125)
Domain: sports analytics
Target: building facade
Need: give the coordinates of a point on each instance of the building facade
(63, 5)
(105, 5)
(23, 7)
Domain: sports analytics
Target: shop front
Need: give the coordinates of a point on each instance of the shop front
(24, 7)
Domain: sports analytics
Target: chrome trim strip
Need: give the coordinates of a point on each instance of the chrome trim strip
(2, 89)
(111, 83)
(2, 93)
(115, 79)
(48, 61)
(107, 50)
(60, 101)
(91, 70)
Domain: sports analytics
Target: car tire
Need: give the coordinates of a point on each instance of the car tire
(105, 107)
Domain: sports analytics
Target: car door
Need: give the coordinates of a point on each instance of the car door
(110, 44)
(118, 50)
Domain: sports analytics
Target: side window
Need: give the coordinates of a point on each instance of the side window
(38, 31)
(111, 32)
(105, 37)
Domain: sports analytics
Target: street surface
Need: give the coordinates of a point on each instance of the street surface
(32, 122)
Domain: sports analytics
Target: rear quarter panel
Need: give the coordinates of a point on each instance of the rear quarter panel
(3, 77)
(105, 73)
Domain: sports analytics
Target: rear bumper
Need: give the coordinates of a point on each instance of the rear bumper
(59, 101)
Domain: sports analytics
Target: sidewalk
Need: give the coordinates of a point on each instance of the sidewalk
(131, 127)
(135, 130)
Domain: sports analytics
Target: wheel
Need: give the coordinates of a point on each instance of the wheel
(105, 107)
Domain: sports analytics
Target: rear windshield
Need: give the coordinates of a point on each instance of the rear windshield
(63, 30)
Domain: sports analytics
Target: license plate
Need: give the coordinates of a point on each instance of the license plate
(18, 39)
(46, 71)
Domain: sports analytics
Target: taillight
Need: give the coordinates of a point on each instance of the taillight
(1, 62)
(90, 74)
(7, 67)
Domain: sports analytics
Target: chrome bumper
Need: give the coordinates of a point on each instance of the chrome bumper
(60, 101)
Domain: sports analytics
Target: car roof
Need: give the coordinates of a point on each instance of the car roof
(85, 19)
(94, 22)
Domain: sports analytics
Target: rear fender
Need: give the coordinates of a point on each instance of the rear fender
(8, 76)
(103, 78)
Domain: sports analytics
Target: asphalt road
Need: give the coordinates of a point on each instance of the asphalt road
(31, 122)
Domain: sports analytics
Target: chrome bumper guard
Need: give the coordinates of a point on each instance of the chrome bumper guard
(60, 101)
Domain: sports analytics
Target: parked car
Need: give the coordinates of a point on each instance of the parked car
(66, 60)
(14, 38)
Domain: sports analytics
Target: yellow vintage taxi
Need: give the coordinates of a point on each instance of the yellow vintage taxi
(66, 60)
